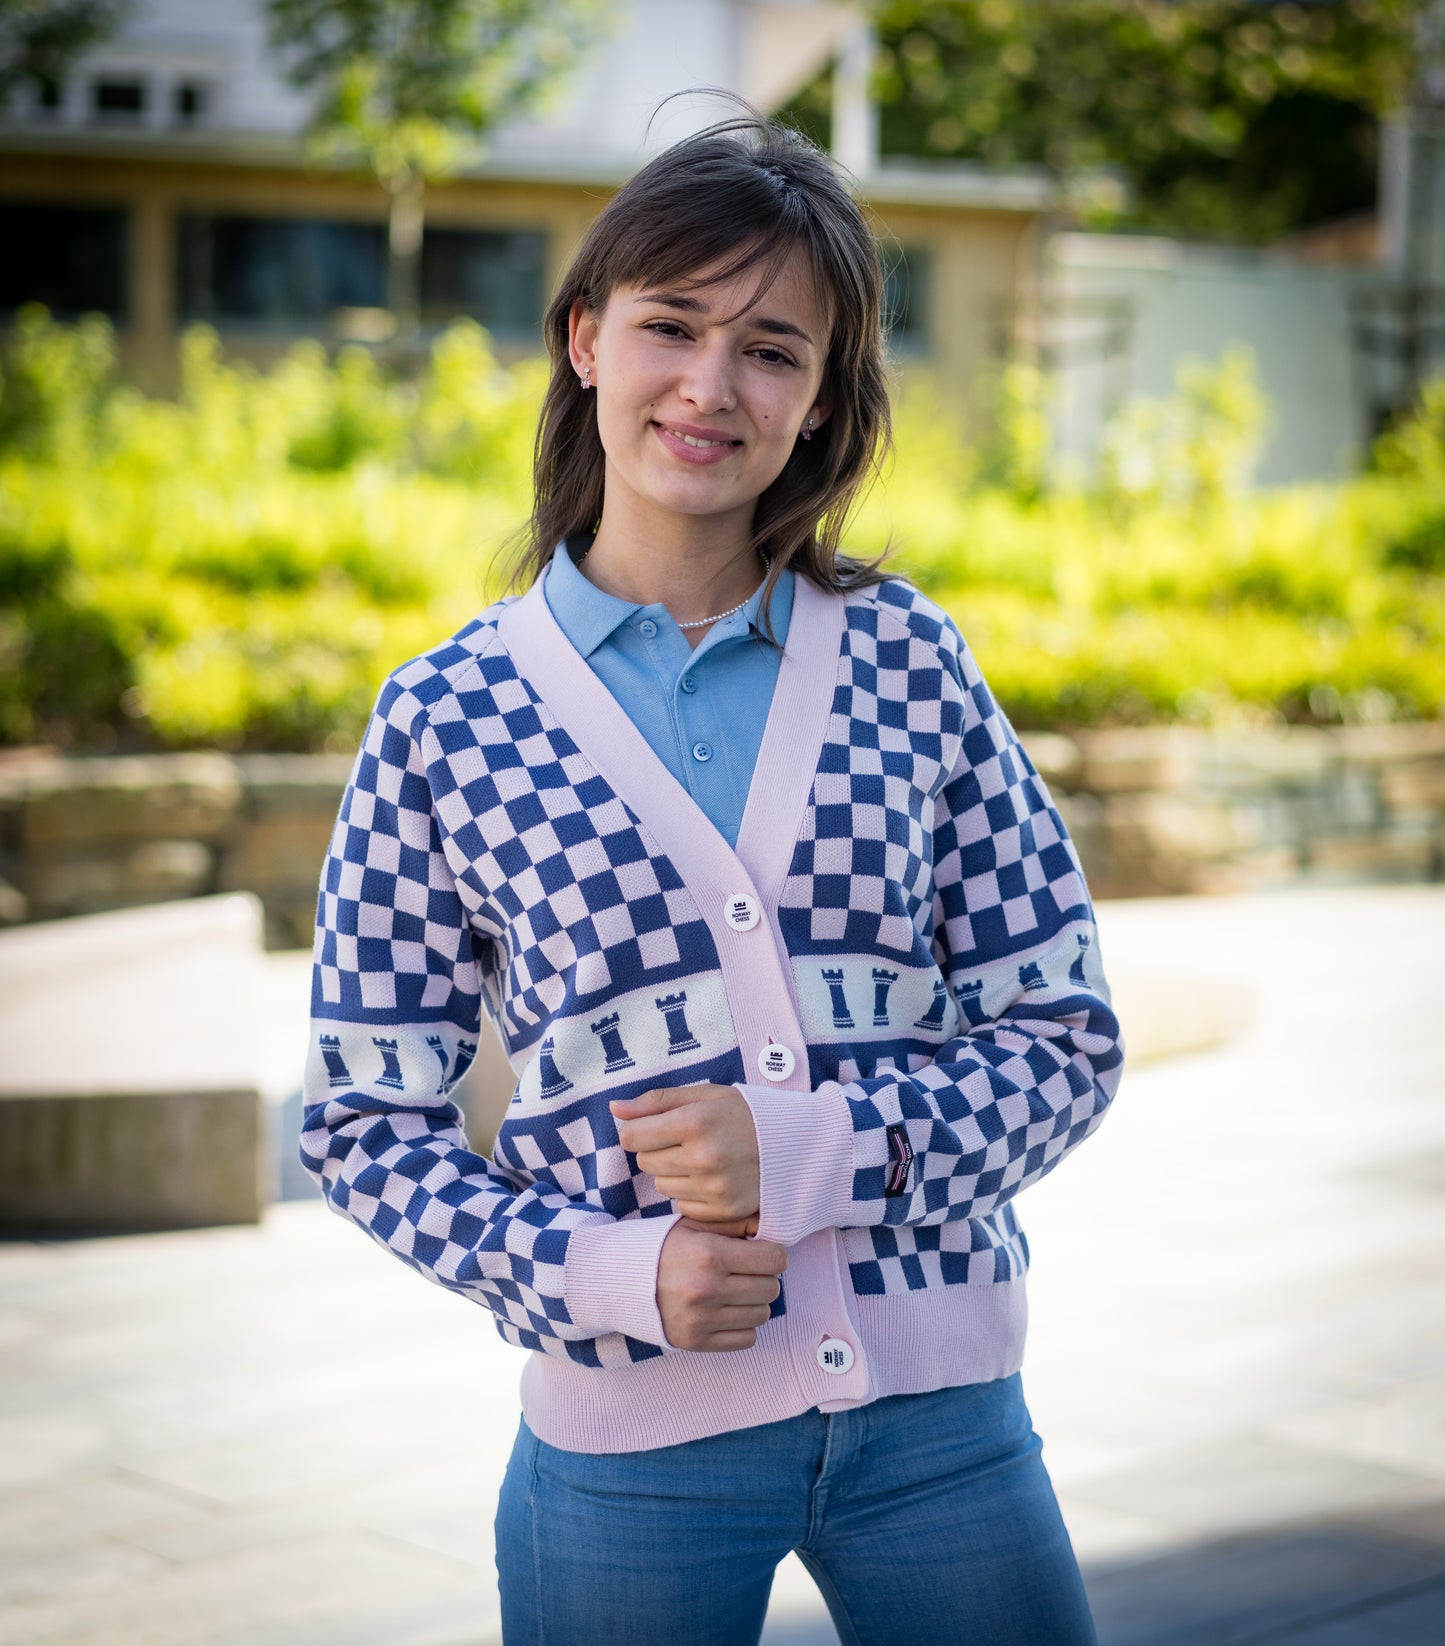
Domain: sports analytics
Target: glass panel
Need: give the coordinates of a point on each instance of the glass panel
(494, 275)
(118, 99)
(189, 102)
(906, 298)
(69, 258)
(278, 269)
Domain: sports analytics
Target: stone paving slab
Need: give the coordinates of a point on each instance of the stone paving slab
(279, 1437)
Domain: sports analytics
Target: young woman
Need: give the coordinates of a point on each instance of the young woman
(788, 949)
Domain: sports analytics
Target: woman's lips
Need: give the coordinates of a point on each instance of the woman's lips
(677, 439)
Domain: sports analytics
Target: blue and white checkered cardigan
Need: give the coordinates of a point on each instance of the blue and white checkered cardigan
(903, 915)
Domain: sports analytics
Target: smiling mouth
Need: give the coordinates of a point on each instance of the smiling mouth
(697, 441)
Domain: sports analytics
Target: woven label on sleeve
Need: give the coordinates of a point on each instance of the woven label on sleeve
(900, 1161)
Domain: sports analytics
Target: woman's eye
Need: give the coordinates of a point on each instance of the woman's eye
(666, 328)
(775, 357)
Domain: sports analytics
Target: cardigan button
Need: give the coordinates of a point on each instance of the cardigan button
(775, 1062)
(835, 1356)
(741, 912)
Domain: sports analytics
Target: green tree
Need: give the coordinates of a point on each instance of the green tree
(1238, 118)
(410, 87)
(40, 39)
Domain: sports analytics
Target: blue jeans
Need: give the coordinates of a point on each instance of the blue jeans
(922, 1518)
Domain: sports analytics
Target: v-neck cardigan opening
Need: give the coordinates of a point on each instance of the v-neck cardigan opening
(760, 989)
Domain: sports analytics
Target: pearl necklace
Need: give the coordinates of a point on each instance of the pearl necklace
(700, 622)
(697, 622)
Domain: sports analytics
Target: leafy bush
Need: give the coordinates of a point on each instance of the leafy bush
(239, 567)
(1200, 446)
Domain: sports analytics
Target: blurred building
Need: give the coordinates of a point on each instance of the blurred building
(1346, 320)
(166, 182)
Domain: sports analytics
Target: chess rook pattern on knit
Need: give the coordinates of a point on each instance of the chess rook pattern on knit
(932, 934)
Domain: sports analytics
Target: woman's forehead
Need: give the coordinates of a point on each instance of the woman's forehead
(788, 279)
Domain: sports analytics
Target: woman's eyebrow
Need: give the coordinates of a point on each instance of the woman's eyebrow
(695, 305)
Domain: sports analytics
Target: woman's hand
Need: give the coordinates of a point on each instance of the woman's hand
(713, 1292)
(700, 1147)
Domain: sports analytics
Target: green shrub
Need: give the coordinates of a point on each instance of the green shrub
(240, 566)
(1200, 446)
(56, 387)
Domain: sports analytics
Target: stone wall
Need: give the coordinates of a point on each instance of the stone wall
(1154, 810)
(1175, 809)
(83, 836)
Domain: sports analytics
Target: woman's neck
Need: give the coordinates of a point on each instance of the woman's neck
(696, 567)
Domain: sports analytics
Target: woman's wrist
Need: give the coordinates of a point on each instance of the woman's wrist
(610, 1277)
(805, 1160)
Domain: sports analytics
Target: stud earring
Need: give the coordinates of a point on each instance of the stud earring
(587, 377)
(808, 429)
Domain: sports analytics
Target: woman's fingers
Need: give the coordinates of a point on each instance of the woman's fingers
(699, 1146)
(719, 1208)
(749, 1290)
(722, 1342)
(711, 1287)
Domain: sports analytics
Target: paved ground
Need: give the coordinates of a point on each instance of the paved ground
(277, 1437)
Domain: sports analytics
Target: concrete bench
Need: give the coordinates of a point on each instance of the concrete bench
(129, 1076)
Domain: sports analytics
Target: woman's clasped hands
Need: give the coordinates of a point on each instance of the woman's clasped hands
(699, 1145)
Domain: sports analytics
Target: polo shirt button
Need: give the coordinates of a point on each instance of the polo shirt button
(647, 627)
(835, 1356)
(741, 912)
(775, 1062)
(688, 683)
(702, 751)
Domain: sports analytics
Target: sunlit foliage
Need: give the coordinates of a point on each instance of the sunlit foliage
(1229, 118)
(241, 566)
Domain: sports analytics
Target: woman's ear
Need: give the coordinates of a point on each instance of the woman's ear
(819, 413)
(581, 336)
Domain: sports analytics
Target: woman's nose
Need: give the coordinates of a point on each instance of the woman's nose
(708, 382)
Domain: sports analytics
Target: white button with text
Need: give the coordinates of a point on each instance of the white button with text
(775, 1062)
(741, 912)
(835, 1356)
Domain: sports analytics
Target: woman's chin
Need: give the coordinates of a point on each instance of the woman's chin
(700, 493)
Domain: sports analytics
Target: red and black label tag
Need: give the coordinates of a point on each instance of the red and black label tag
(900, 1161)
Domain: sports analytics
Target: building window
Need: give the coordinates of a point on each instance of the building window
(190, 102)
(118, 102)
(494, 275)
(70, 258)
(49, 98)
(906, 300)
(278, 270)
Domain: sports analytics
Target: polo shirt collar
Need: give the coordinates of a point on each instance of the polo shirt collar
(589, 615)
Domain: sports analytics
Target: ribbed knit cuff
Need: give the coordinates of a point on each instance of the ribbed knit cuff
(609, 1281)
(805, 1156)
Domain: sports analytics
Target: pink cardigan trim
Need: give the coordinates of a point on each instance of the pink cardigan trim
(907, 1343)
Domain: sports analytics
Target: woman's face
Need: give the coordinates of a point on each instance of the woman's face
(703, 390)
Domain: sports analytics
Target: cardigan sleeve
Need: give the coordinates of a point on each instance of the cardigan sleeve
(1037, 1055)
(397, 999)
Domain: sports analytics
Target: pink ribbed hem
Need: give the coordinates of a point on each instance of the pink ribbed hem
(609, 1282)
(805, 1156)
(904, 1344)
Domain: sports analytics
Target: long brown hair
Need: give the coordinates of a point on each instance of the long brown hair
(742, 193)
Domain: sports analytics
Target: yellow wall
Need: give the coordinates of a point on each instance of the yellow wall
(980, 285)
(980, 261)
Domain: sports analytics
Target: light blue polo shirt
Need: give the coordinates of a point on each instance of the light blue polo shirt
(701, 710)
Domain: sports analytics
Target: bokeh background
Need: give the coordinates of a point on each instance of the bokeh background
(1166, 293)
